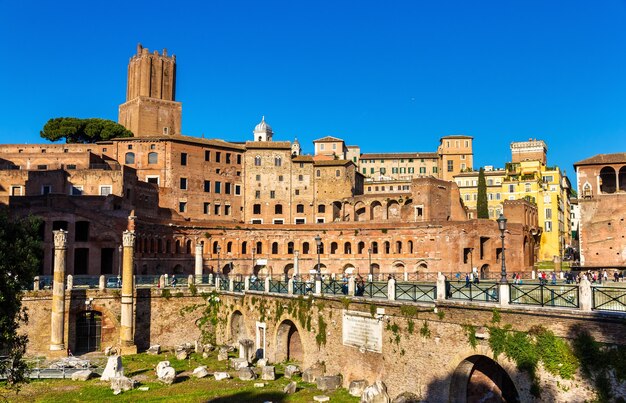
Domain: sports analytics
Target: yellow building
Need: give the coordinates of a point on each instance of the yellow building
(526, 177)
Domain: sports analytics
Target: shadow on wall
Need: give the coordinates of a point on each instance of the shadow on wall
(143, 313)
(251, 397)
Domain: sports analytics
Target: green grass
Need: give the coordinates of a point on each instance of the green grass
(186, 389)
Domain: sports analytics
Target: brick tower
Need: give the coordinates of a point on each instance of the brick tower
(150, 108)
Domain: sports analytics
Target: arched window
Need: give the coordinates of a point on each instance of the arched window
(361, 247)
(168, 246)
(215, 243)
(274, 248)
(321, 209)
(278, 209)
(229, 247)
(410, 246)
(607, 180)
(188, 247)
(398, 246)
(333, 248)
(259, 247)
(622, 179)
(305, 248)
(300, 208)
(347, 248)
(278, 161)
(177, 250)
(387, 247)
(153, 158)
(244, 247)
(130, 158)
(375, 247)
(256, 209)
(321, 248)
(290, 248)
(257, 161)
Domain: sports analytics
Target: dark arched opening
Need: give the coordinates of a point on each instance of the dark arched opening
(480, 379)
(237, 327)
(607, 180)
(288, 343)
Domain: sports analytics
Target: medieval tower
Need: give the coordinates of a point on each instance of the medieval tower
(151, 108)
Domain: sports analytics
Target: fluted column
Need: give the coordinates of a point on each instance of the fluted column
(198, 271)
(128, 322)
(57, 322)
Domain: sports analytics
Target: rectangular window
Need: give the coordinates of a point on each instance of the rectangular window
(182, 207)
(383, 171)
(278, 221)
(272, 194)
(218, 156)
(237, 190)
(239, 159)
(216, 209)
(422, 170)
(227, 209)
(257, 194)
(228, 158)
(297, 192)
(371, 170)
(183, 183)
(301, 177)
(105, 190)
(227, 186)
(548, 226)
(548, 214)
(207, 186)
(258, 178)
(300, 220)
(364, 171)
(435, 170)
(511, 188)
(497, 196)
(207, 155)
(42, 166)
(450, 166)
(207, 208)
(183, 158)
(280, 178)
(218, 187)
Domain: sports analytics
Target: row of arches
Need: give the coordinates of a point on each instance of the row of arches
(611, 181)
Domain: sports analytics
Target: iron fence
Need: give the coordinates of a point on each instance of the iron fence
(147, 280)
(373, 289)
(224, 285)
(485, 292)
(609, 298)
(86, 281)
(566, 296)
(334, 287)
(416, 292)
(279, 287)
(238, 286)
(257, 285)
(302, 287)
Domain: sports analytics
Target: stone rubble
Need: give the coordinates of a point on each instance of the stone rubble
(375, 393)
(82, 375)
(154, 349)
(221, 375)
(330, 383)
(113, 369)
(290, 388)
(246, 374)
(121, 384)
(407, 397)
(357, 387)
(292, 370)
(201, 372)
(268, 373)
(238, 363)
(165, 373)
(313, 372)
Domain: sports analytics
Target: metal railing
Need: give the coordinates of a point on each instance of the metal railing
(302, 287)
(566, 296)
(416, 292)
(86, 281)
(609, 298)
(374, 289)
(147, 280)
(279, 287)
(238, 286)
(224, 284)
(482, 292)
(257, 285)
(334, 287)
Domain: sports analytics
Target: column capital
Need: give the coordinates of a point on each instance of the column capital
(60, 239)
(199, 248)
(128, 238)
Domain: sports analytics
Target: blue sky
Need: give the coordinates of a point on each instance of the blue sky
(388, 76)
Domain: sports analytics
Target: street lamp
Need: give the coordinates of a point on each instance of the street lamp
(502, 226)
(218, 248)
(318, 241)
(369, 254)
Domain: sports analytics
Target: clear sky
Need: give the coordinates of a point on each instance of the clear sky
(384, 75)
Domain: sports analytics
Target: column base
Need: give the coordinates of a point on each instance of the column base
(128, 350)
(57, 347)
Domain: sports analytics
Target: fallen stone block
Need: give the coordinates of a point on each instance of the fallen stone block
(290, 388)
(356, 388)
(268, 373)
(292, 370)
(332, 382)
(221, 375)
(375, 393)
(83, 375)
(246, 374)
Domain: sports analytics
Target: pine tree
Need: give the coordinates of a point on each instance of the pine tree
(481, 204)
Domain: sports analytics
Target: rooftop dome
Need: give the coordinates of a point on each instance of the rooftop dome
(262, 127)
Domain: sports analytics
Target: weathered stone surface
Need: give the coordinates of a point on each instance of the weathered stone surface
(143, 388)
(291, 370)
(113, 368)
(154, 349)
(205, 355)
(375, 393)
(246, 349)
(290, 388)
(246, 374)
(407, 397)
(108, 350)
(259, 385)
(208, 347)
(83, 375)
(221, 375)
(200, 372)
(122, 383)
(268, 373)
(222, 354)
(165, 372)
(238, 363)
(312, 373)
(356, 388)
(182, 354)
(321, 398)
(332, 382)
(261, 363)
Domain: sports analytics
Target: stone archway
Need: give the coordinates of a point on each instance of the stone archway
(288, 343)
(478, 378)
(237, 327)
(88, 332)
(484, 272)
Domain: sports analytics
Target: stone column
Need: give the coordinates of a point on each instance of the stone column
(102, 283)
(505, 294)
(441, 287)
(585, 295)
(57, 322)
(296, 261)
(351, 286)
(127, 339)
(198, 263)
(391, 289)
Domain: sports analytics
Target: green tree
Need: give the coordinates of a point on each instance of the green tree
(75, 130)
(20, 255)
(481, 203)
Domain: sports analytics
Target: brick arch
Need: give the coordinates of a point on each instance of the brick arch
(477, 375)
(110, 324)
(288, 342)
(237, 326)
